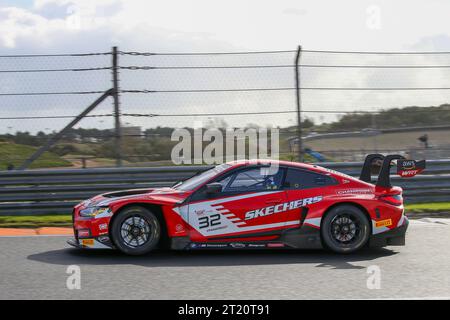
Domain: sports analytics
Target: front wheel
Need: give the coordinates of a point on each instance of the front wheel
(345, 229)
(136, 231)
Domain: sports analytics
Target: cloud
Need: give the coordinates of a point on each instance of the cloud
(37, 31)
(295, 11)
(439, 42)
(78, 25)
(17, 22)
(59, 26)
(51, 21)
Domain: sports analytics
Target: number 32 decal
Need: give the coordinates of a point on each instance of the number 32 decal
(209, 221)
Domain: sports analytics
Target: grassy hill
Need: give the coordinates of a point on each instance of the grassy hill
(390, 141)
(11, 153)
(392, 118)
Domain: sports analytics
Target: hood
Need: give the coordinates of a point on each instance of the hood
(155, 195)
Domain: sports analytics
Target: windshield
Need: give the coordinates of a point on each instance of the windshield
(197, 180)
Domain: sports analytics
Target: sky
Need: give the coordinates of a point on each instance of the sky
(233, 24)
(60, 26)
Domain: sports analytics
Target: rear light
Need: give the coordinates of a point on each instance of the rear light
(394, 199)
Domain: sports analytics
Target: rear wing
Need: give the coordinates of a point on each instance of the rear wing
(405, 168)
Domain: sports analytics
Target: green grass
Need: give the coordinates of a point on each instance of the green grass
(387, 141)
(428, 207)
(35, 221)
(11, 153)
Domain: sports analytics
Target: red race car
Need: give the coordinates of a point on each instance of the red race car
(256, 204)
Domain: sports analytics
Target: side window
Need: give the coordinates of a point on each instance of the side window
(303, 179)
(225, 181)
(254, 179)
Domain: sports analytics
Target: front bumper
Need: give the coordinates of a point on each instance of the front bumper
(91, 243)
(394, 237)
(91, 233)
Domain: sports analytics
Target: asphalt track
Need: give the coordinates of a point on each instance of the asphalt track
(35, 268)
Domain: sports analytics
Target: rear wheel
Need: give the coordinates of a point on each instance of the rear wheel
(345, 229)
(136, 231)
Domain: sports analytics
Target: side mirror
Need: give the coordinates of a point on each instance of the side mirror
(214, 187)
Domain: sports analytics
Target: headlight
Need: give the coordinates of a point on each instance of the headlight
(96, 212)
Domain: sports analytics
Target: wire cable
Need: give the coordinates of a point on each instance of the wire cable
(55, 70)
(51, 93)
(55, 55)
(54, 117)
(208, 114)
(136, 53)
(205, 90)
(204, 67)
(145, 91)
(377, 52)
(150, 115)
(282, 66)
(282, 89)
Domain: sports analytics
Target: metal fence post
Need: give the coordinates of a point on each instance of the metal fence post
(118, 129)
(299, 103)
(59, 135)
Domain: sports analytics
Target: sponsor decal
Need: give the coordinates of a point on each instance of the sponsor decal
(407, 164)
(234, 245)
(383, 223)
(275, 245)
(103, 239)
(256, 245)
(237, 245)
(84, 233)
(282, 207)
(179, 228)
(103, 226)
(87, 242)
(409, 173)
(200, 212)
(410, 168)
(354, 191)
(216, 245)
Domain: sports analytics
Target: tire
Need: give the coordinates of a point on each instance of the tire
(345, 229)
(136, 231)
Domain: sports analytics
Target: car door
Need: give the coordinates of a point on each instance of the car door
(305, 189)
(246, 206)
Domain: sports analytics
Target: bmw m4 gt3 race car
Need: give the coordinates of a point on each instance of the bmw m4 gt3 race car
(254, 204)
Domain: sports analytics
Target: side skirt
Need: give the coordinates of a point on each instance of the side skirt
(305, 237)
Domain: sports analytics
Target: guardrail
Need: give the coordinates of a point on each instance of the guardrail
(37, 192)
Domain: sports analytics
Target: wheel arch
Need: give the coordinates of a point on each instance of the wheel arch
(156, 209)
(350, 203)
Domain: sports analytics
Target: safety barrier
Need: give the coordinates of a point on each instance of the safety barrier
(37, 192)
